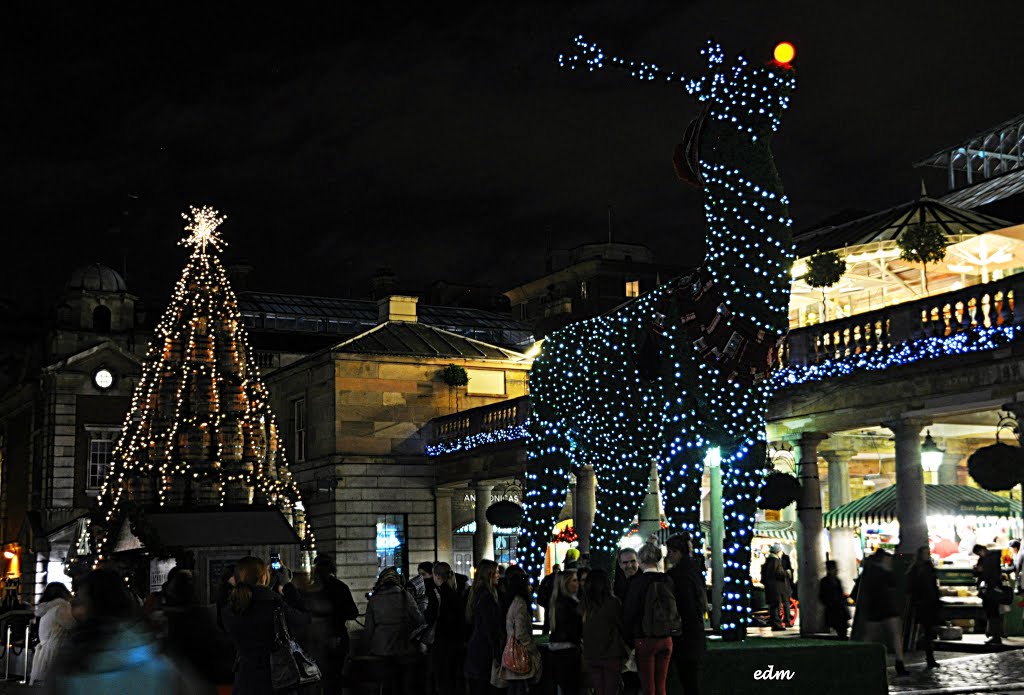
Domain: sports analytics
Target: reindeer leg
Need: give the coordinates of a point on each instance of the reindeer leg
(547, 480)
(739, 496)
(681, 477)
(621, 488)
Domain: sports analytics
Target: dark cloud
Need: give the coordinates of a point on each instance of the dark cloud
(445, 143)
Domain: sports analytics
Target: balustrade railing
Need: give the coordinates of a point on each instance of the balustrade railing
(486, 418)
(989, 305)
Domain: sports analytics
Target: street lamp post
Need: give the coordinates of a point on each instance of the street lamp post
(713, 461)
(931, 456)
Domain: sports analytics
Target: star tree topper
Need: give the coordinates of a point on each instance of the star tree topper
(202, 227)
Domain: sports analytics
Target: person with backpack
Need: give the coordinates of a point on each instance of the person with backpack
(566, 634)
(391, 617)
(651, 619)
(689, 646)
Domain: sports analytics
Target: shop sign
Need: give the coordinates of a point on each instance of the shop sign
(508, 497)
(955, 577)
(984, 509)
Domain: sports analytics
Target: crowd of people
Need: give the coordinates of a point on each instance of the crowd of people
(913, 623)
(106, 638)
(439, 632)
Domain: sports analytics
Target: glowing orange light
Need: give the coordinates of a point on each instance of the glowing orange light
(784, 52)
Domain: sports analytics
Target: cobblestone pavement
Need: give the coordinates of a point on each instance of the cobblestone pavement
(983, 673)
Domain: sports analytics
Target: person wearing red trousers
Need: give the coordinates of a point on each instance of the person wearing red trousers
(653, 652)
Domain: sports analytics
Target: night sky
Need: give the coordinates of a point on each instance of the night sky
(444, 142)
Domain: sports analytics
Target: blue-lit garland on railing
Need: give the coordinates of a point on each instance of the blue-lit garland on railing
(462, 444)
(976, 340)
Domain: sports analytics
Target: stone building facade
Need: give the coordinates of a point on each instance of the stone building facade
(61, 410)
(354, 417)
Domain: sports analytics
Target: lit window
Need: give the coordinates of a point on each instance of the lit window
(632, 288)
(583, 289)
(299, 428)
(391, 543)
(485, 382)
(101, 453)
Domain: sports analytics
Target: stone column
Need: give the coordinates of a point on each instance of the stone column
(483, 539)
(842, 541)
(811, 559)
(443, 542)
(948, 469)
(911, 508)
(586, 497)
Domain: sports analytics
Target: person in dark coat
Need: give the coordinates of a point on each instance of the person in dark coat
(773, 577)
(923, 588)
(191, 635)
(877, 598)
(989, 575)
(833, 600)
(391, 617)
(604, 649)
(544, 593)
(626, 567)
(446, 611)
(566, 633)
(483, 613)
(653, 652)
(789, 588)
(249, 619)
(690, 646)
(330, 605)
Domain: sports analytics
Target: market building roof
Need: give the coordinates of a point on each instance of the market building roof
(951, 500)
(420, 340)
(889, 224)
(268, 312)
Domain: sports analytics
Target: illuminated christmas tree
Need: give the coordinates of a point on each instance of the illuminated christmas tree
(679, 376)
(200, 432)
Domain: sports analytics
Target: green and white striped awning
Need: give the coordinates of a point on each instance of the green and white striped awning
(783, 530)
(952, 500)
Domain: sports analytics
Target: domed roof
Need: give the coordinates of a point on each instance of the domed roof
(96, 277)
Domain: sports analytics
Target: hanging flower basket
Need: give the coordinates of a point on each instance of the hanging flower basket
(505, 514)
(997, 466)
(779, 490)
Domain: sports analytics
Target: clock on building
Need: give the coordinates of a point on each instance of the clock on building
(103, 378)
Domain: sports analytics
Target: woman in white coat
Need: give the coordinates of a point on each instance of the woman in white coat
(55, 622)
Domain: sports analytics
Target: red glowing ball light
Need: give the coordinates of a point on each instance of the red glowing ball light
(784, 53)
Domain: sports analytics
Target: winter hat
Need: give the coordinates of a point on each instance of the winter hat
(776, 548)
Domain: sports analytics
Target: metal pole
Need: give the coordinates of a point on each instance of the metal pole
(25, 670)
(7, 654)
(717, 546)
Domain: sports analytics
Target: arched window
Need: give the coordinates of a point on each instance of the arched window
(101, 319)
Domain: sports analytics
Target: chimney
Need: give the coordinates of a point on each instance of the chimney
(397, 307)
(384, 283)
(238, 276)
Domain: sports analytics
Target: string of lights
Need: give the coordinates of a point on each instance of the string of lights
(978, 339)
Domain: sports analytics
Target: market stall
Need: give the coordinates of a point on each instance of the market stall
(958, 518)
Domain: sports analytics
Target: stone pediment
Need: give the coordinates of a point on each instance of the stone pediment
(106, 354)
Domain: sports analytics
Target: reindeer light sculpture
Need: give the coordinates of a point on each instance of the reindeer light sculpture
(683, 368)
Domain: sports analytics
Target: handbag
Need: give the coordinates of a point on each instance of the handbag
(514, 657)
(290, 667)
(424, 634)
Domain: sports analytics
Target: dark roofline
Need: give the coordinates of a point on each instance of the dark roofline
(930, 159)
